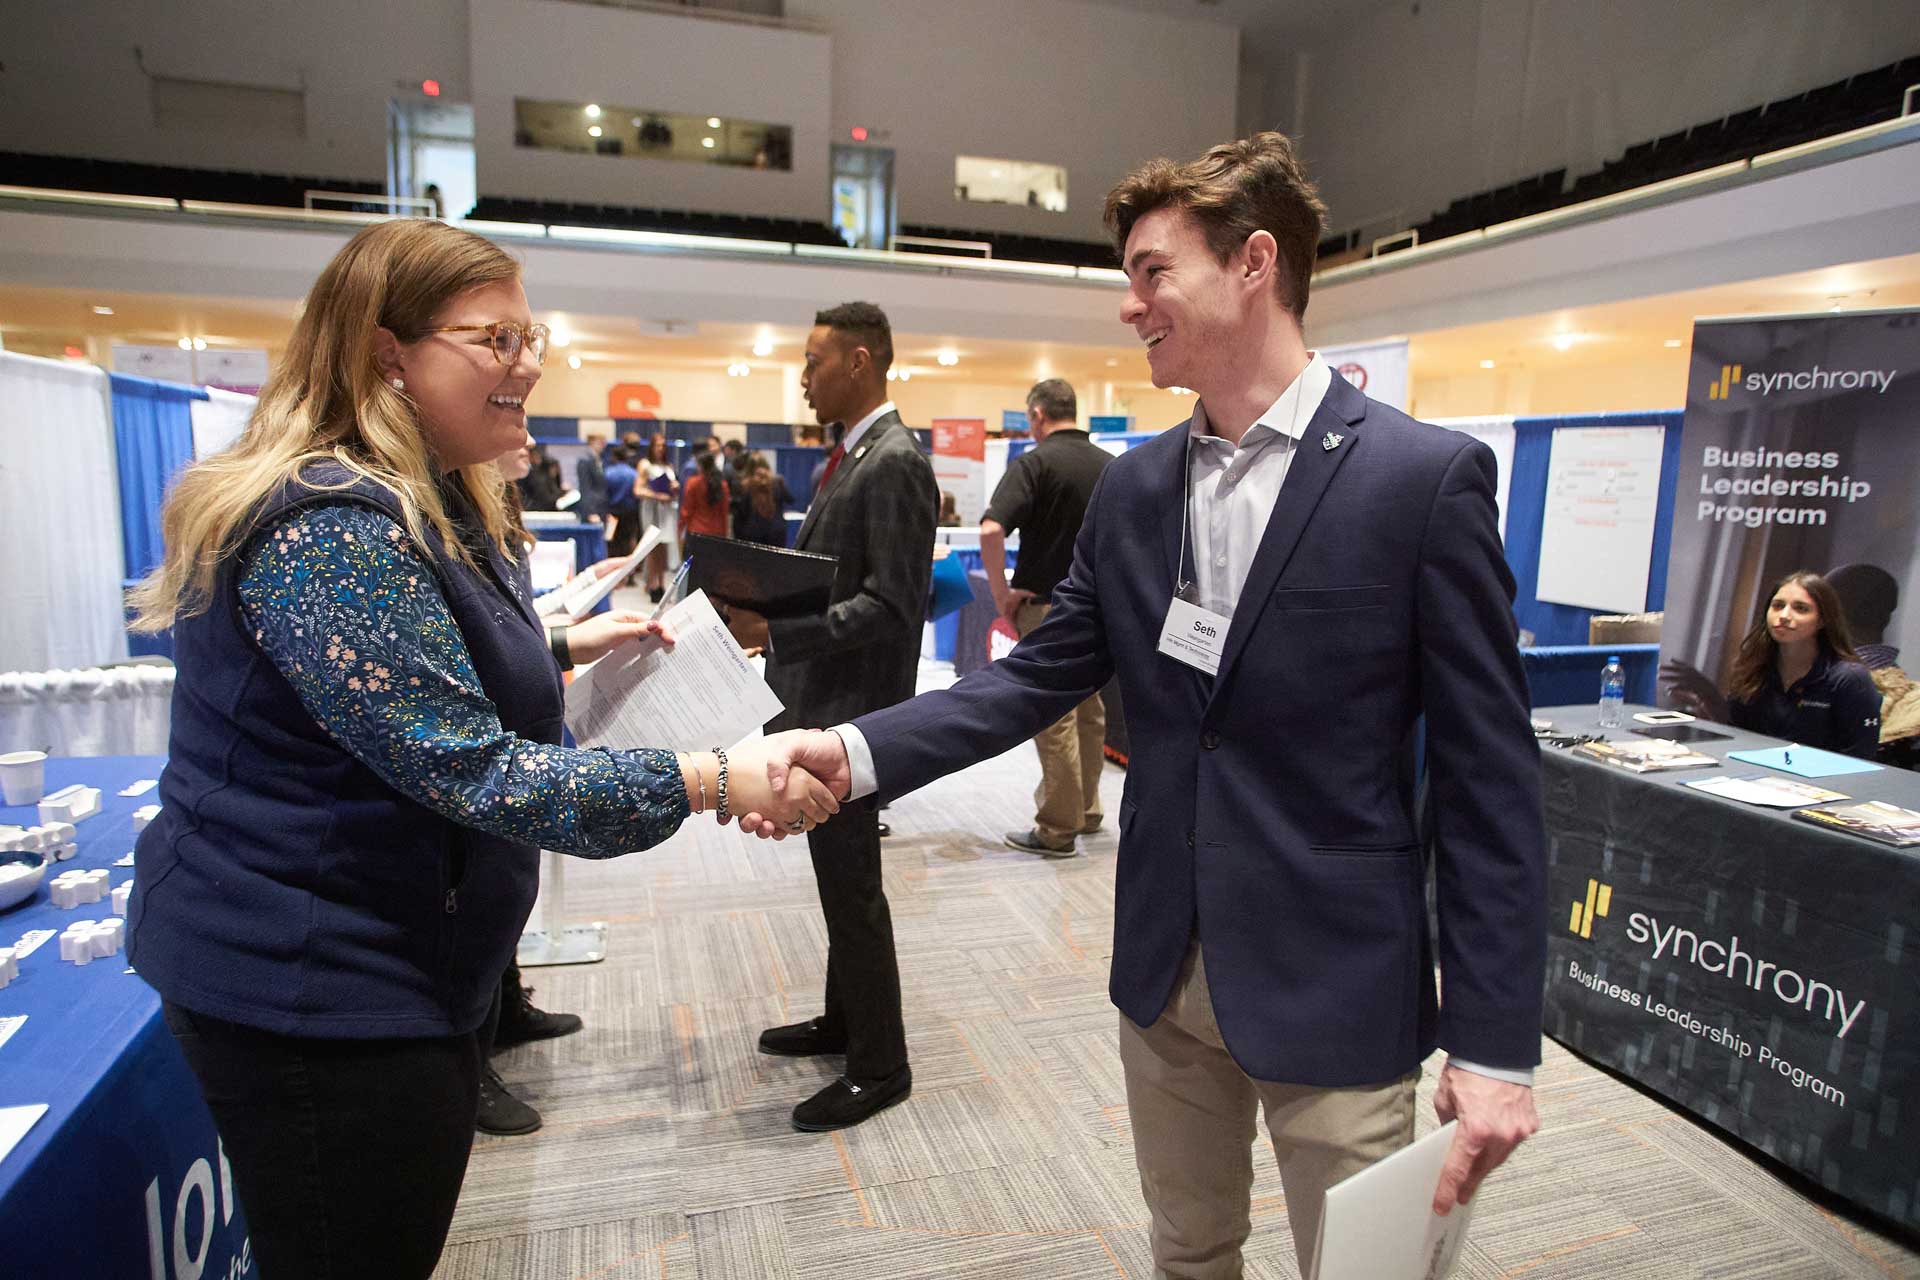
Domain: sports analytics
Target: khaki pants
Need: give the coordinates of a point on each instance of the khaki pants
(1071, 759)
(1193, 1126)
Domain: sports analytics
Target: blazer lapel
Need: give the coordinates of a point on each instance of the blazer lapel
(1308, 476)
(838, 481)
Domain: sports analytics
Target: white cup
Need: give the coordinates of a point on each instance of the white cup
(23, 776)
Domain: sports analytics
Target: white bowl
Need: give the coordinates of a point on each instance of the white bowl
(14, 886)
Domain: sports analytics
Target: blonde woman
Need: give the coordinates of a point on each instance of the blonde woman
(364, 756)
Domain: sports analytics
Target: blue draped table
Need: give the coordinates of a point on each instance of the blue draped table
(123, 1175)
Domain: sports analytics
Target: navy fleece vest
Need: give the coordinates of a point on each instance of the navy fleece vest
(284, 885)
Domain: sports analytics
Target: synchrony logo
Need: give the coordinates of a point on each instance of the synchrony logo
(1726, 959)
(1733, 376)
(1599, 898)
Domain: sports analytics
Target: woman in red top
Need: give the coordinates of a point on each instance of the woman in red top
(705, 505)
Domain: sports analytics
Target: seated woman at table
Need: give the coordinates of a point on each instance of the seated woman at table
(364, 757)
(1796, 675)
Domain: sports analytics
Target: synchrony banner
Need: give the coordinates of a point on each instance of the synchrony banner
(1802, 451)
(1757, 974)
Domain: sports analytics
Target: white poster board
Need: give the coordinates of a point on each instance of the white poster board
(167, 364)
(1497, 435)
(1378, 370)
(1596, 539)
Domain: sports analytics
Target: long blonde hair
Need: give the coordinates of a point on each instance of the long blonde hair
(327, 401)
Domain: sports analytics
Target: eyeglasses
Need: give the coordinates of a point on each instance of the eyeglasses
(507, 338)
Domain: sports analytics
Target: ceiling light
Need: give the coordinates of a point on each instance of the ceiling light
(1486, 364)
(763, 348)
(739, 369)
(1671, 342)
(593, 131)
(199, 344)
(707, 142)
(103, 311)
(559, 337)
(186, 344)
(906, 375)
(636, 122)
(1113, 362)
(573, 362)
(713, 122)
(892, 374)
(948, 359)
(593, 111)
(1563, 341)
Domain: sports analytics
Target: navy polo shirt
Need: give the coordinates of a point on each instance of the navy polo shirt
(1835, 706)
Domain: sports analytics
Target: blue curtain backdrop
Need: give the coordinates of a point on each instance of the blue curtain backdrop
(153, 441)
(1561, 624)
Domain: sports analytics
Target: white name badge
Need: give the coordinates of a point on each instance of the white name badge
(1194, 636)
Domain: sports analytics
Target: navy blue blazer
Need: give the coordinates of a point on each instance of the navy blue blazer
(1270, 810)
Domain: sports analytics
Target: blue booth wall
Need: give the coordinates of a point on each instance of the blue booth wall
(1562, 668)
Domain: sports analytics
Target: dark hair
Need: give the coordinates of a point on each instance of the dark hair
(757, 478)
(1054, 399)
(1759, 651)
(658, 439)
(710, 472)
(1868, 596)
(620, 453)
(1234, 190)
(867, 325)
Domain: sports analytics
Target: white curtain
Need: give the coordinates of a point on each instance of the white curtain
(120, 711)
(59, 517)
(218, 420)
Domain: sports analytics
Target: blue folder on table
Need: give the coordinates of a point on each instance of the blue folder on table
(1808, 762)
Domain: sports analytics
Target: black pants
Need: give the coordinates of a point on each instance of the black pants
(347, 1155)
(863, 975)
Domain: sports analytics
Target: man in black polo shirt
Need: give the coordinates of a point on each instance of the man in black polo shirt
(1044, 495)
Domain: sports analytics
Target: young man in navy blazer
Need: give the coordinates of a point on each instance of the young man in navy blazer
(1284, 585)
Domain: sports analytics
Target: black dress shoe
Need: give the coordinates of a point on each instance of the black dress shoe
(801, 1040)
(885, 831)
(846, 1102)
(500, 1111)
(521, 1022)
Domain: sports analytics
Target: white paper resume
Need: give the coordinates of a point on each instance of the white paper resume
(702, 693)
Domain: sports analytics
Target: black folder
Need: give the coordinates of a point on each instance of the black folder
(772, 581)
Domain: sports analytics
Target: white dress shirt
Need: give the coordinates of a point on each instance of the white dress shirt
(1231, 492)
(858, 429)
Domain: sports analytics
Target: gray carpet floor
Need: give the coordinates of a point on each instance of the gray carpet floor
(667, 1149)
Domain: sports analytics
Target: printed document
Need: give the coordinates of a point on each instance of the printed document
(1379, 1224)
(702, 693)
(584, 591)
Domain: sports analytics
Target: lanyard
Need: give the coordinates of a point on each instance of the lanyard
(1185, 588)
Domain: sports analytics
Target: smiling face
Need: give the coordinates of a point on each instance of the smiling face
(472, 407)
(1182, 301)
(1792, 615)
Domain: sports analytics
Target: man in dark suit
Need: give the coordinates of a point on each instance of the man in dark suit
(874, 511)
(1284, 586)
(590, 478)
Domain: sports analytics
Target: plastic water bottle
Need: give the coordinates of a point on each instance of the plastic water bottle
(1613, 693)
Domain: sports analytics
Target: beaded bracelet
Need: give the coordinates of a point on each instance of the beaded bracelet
(720, 788)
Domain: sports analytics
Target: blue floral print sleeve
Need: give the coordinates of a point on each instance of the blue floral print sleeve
(343, 604)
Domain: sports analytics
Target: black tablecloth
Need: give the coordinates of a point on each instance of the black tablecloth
(1753, 968)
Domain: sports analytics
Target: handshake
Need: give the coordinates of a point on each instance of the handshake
(777, 786)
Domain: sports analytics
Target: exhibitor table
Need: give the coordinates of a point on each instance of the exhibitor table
(1751, 967)
(123, 1176)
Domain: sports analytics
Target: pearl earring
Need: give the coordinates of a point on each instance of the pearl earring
(399, 384)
